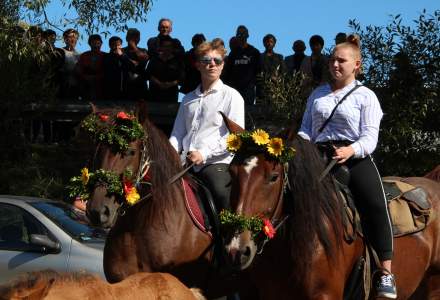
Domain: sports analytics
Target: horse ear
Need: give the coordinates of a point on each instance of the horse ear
(141, 111)
(232, 126)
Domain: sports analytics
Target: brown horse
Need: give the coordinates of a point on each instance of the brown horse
(309, 257)
(434, 174)
(50, 285)
(157, 234)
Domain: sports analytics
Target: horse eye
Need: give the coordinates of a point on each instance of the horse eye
(130, 152)
(274, 177)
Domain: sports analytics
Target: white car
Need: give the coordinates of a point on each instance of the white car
(38, 234)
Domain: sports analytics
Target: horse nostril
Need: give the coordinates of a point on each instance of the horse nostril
(105, 214)
(93, 216)
(106, 211)
(247, 251)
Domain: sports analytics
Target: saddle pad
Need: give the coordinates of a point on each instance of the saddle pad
(409, 207)
(193, 207)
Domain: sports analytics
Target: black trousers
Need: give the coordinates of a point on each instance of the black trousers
(369, 197)
(218, 180)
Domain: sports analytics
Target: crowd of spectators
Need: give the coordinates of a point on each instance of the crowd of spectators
(164, 69)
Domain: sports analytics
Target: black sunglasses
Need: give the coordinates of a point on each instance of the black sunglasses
(207, 60)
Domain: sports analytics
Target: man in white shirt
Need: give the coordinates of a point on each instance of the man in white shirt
(199, 133)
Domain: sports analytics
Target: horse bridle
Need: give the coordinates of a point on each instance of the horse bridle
(274, 220)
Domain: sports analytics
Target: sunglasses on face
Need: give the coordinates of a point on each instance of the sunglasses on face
(207, 60)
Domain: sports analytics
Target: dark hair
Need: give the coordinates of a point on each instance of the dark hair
(197, 39)
(114, 39)
(298, 43)
(341, 37)
(49, 32)
(133, 32)
(269, 36)
(94, 37)
(244, 29)
(316, 39)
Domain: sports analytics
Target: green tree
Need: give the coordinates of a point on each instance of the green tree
(402, 65)
(25, 75)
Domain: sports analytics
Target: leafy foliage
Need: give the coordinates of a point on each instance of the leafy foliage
(402, 65)
(232, 222)
(93, 16)
(284, 100)
(82, 186)
(115, 131)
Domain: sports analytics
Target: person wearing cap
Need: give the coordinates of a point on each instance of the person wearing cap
(242, 66)
(199, 134)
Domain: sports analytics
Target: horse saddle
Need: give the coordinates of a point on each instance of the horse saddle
(409, 207)
(200, 205)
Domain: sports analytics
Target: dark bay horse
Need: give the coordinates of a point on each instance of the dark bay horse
(309, 258)
(157, 234)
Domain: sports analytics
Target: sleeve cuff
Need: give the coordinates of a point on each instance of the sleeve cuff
(304, 135)
(357, 150)
(205, 154)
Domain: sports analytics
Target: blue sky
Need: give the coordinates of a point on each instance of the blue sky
(288, 20)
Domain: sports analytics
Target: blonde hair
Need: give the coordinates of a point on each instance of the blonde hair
(215, 45)
(353, 42)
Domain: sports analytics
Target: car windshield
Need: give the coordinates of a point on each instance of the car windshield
(69, 219)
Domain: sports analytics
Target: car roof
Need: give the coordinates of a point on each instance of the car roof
(26, 199)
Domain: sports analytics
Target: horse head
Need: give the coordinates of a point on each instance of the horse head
(258, 181)
(121, 144)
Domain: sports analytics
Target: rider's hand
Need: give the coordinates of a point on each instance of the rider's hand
(195, 157)
(342, 154)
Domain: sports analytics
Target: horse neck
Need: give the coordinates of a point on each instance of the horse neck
(316, 211)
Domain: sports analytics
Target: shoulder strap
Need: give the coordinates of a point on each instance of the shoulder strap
(340, 101)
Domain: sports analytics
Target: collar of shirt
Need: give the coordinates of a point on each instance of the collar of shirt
(215, 88)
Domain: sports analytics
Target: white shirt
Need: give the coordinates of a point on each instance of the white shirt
(199, 125)
(357, 119)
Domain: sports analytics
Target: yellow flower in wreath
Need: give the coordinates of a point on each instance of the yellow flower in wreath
(85, 176)
(132, 197)
(233, 142)
(260, 137)
(275, 146)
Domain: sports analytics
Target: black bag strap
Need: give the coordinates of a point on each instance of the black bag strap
(340, 101)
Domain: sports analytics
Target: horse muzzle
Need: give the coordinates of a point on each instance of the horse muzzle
(241, 251)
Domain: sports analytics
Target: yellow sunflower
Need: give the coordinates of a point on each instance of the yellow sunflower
(132, 196)
(85, 176)
(233, 142)
(275, 146)
(260, 137)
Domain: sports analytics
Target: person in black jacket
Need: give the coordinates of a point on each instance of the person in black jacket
(242, 66)
(116, 68)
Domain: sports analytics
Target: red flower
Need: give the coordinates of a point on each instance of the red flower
(123, 116)
(268, 229)
(128, 187)
(103, 118)
(147, 177)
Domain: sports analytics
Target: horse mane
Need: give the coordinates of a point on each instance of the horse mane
(434, 174)
(165, 163)
(314, 207)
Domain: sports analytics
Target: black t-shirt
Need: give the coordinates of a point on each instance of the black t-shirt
(242, 67)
